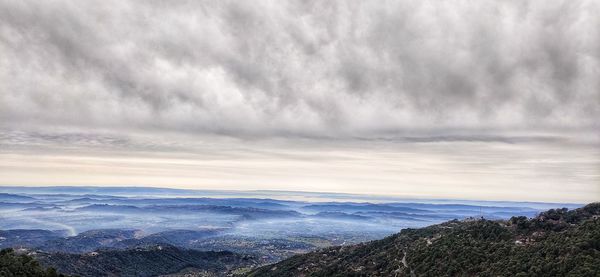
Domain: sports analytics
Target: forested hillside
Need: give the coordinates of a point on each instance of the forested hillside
(140, 261)
(146, 261)
(12, 264)
(555, 243)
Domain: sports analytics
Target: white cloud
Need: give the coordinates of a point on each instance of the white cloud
(334, 68)
(481, 99)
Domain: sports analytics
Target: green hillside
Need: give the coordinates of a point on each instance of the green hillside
(555, 243)
(146, 261)
(140, 261)
(12, 264)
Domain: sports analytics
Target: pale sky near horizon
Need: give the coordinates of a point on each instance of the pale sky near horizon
(481, 100)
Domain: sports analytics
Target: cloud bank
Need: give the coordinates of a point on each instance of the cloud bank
(300, 68)
(444, 99)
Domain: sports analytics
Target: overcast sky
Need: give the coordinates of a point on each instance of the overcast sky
(459, 99)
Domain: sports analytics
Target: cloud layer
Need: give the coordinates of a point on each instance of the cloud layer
(452, 99)
(323, 68)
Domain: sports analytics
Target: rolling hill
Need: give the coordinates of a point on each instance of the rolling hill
(145, 261)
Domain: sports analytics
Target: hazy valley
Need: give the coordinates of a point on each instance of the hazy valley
(59, 224)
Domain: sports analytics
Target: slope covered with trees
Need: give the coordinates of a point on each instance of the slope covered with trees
(146, 261)
(12, 264)
(151, 260)
(555, 243)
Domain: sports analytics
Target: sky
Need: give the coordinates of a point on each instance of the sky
(486, 100)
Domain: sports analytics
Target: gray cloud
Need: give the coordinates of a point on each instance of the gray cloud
(300, 68)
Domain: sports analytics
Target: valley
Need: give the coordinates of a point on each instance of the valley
(78, 230)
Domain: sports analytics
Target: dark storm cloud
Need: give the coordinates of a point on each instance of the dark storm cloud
(300, 68)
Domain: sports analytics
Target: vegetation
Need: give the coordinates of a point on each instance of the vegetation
(555, 243)
(12, 264)
(152, 260)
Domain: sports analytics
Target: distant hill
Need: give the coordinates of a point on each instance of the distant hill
(179, 238)
(27, 238)
(244, 212)
(150, 260)
(6, 197)
(146, 261)
(555, 243)
(89, 241)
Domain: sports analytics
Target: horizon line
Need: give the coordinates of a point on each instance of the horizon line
(315, 193)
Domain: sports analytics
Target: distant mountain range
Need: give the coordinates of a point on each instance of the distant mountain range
(558, 242)
(74, 210)
(153, 192)
(72, 222)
